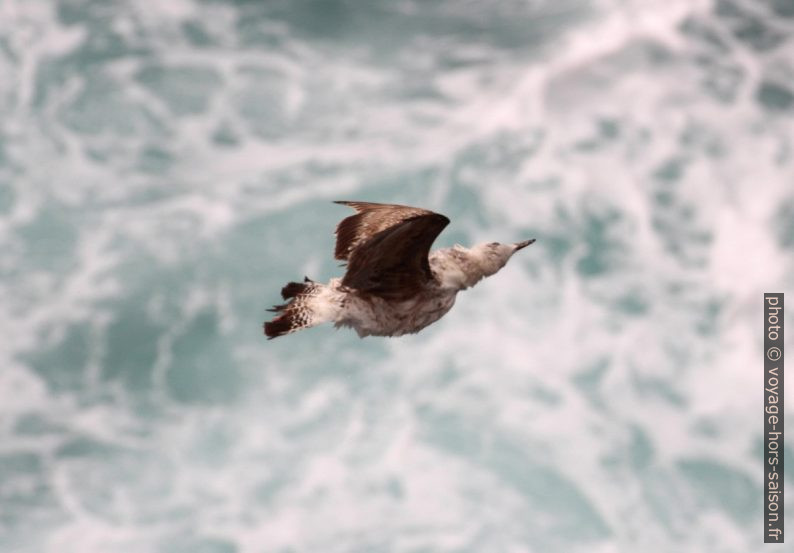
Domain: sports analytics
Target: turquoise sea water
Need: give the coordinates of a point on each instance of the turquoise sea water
(166, 167)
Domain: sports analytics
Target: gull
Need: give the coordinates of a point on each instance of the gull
(393, 284)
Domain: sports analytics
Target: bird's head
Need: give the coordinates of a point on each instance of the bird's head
(492, 256)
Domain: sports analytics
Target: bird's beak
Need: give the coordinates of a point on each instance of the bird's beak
(524, 244)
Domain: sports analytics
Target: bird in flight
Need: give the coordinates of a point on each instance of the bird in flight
(393, 284)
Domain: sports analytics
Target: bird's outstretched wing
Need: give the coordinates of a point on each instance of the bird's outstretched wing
(386, 247)
(370, 219)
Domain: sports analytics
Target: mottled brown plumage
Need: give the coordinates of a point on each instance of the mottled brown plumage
(393, 284)
(370, 219)
(386, 247)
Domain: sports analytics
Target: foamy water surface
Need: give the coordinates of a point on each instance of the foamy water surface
(166, 167)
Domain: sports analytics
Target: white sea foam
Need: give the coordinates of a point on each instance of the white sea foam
(574, 402)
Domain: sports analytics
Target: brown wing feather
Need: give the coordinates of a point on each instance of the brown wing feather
(369, 220)
(393, 263)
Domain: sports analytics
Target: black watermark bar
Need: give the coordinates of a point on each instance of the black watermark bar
(773, 418)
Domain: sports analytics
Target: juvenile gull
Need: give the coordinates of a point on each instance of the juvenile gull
(393, 284)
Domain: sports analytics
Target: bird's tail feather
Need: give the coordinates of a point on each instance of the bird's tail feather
(308, 306)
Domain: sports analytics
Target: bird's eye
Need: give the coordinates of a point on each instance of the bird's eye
(493, 244)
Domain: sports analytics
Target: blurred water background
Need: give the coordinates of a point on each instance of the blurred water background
(165, 167)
